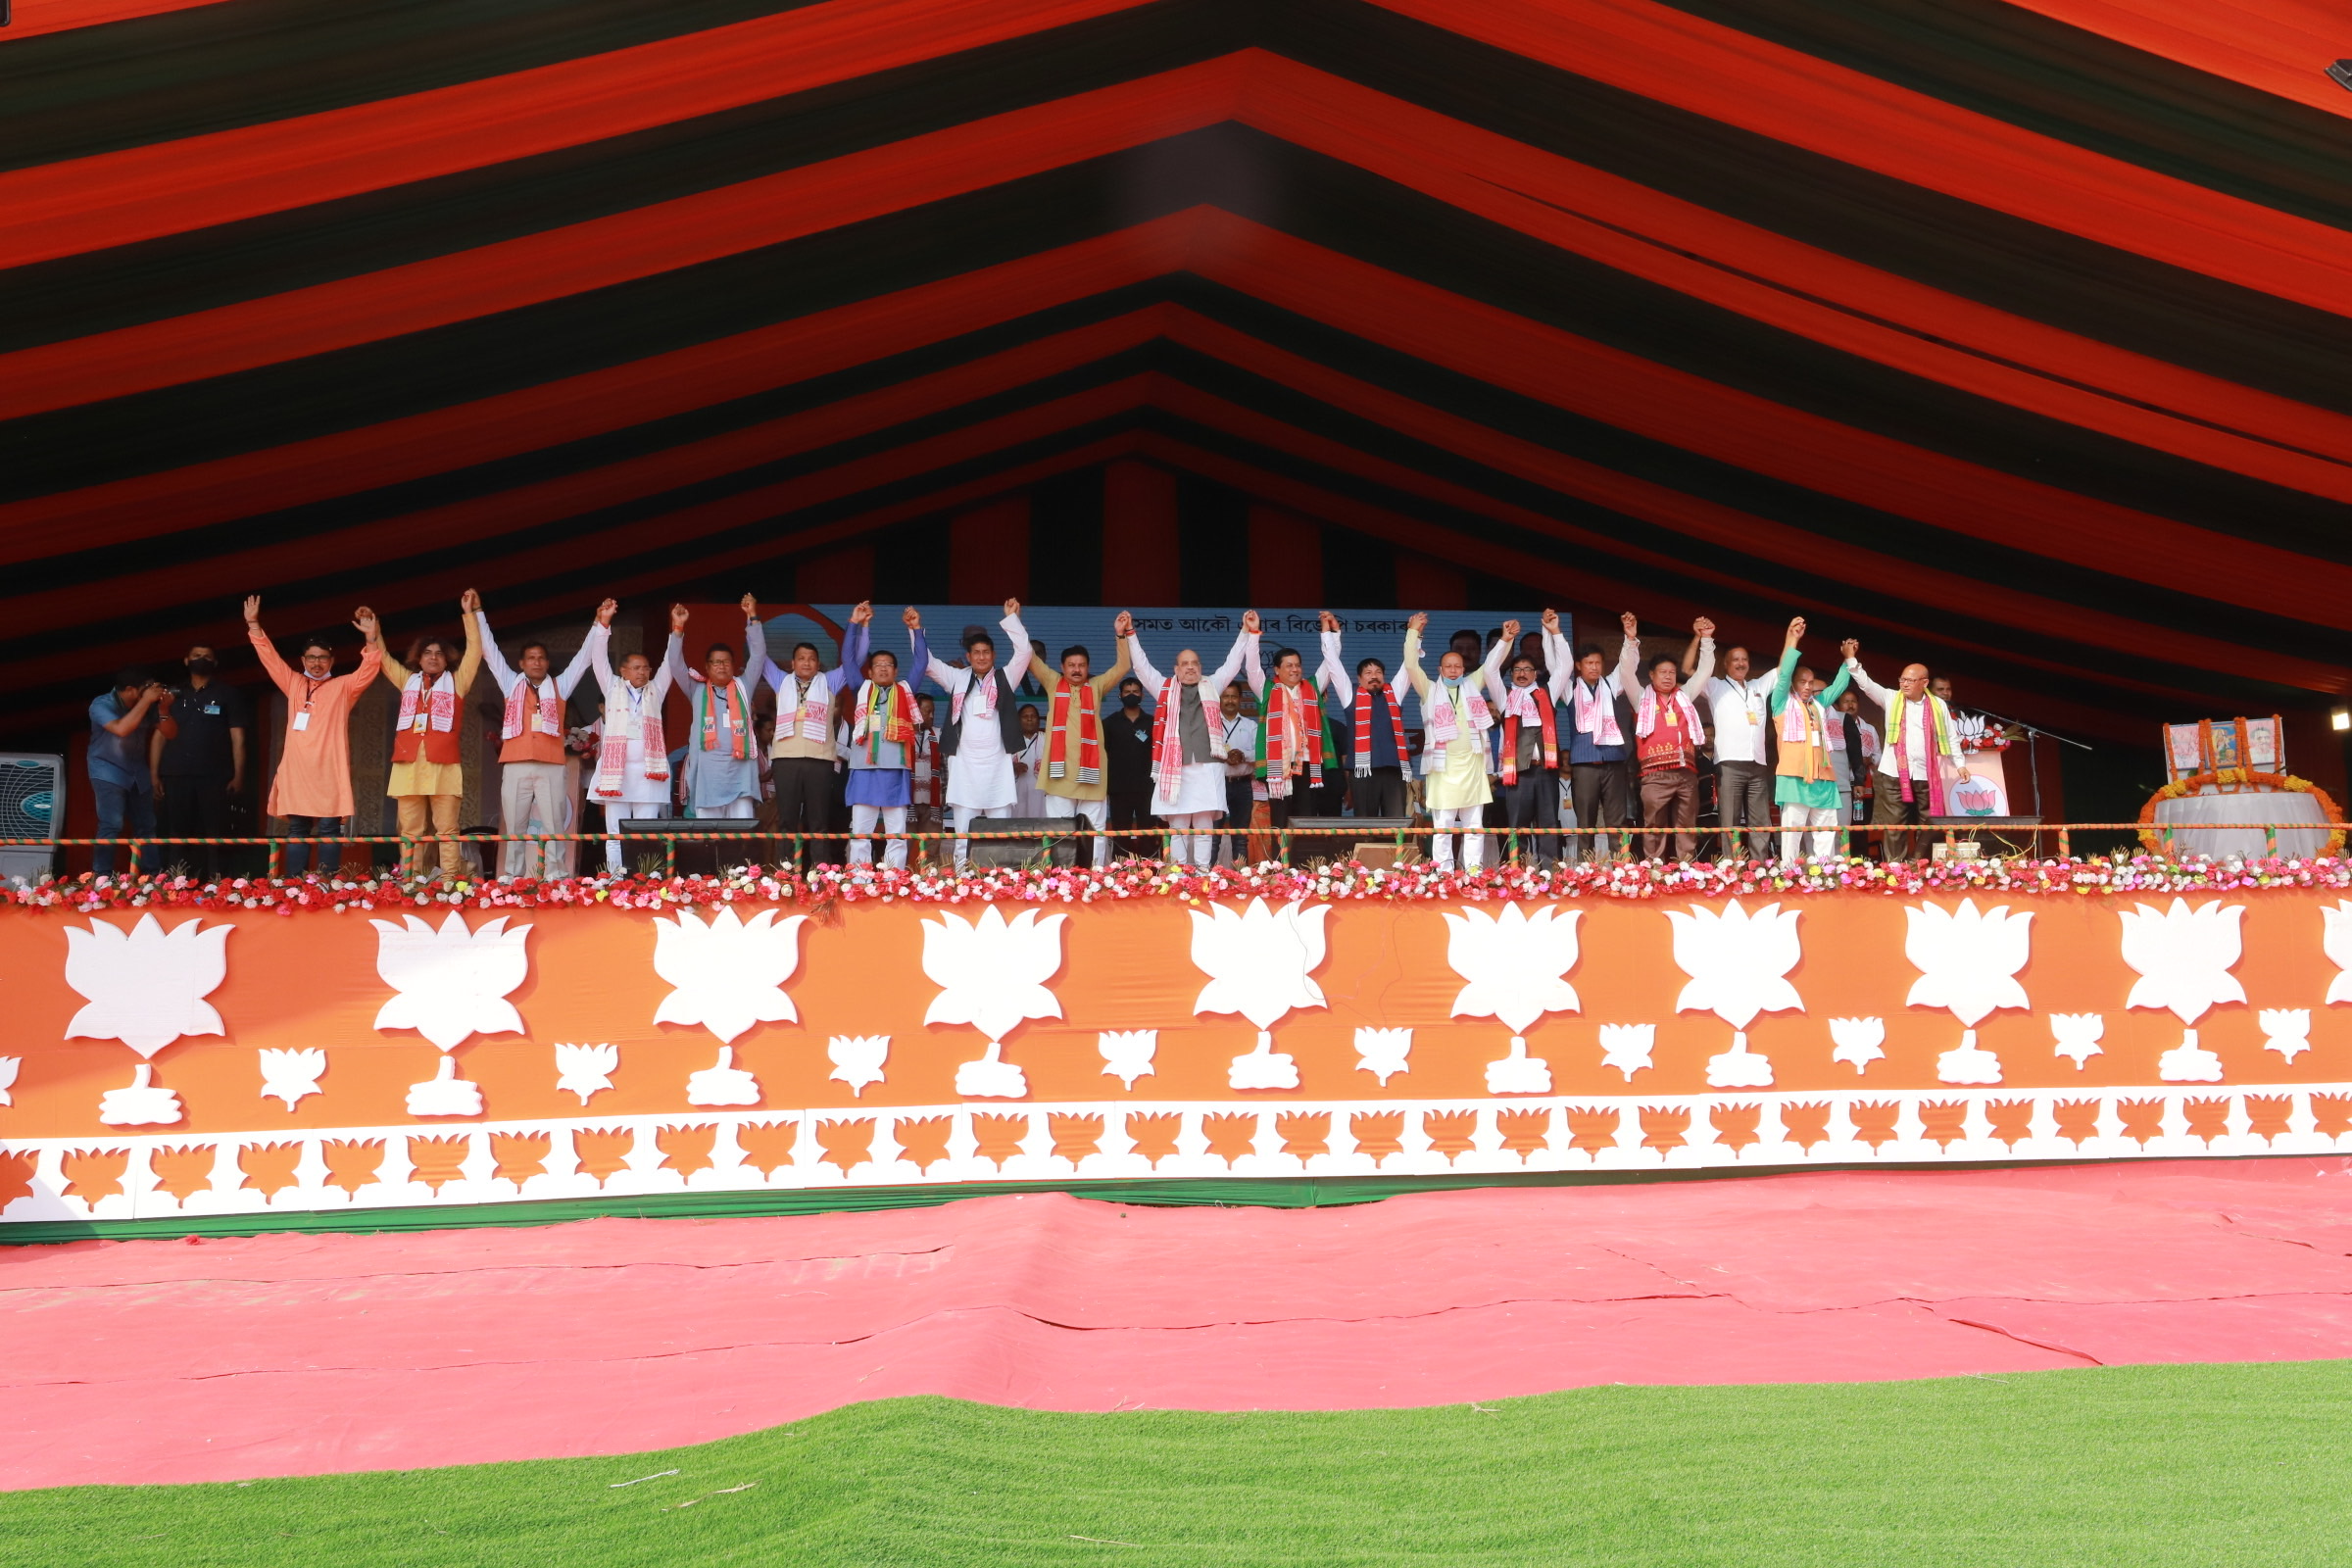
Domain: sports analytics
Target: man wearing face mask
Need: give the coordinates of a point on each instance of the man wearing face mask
(197, 759)
(1127, 764)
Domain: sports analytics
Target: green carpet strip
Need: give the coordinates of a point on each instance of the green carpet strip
(2182, 1466)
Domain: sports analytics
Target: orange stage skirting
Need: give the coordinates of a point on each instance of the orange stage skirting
(2230, 1051)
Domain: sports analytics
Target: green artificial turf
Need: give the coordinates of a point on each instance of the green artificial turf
(2225, 1465)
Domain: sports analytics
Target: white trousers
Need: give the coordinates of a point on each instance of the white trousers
(1191, 843)
(1097, 811)
(1823, 819)
(861, 849)
(1474, 844)
(530, 799)
(965, 816)
(627, 812)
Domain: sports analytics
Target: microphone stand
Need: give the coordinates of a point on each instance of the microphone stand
(2033, 732)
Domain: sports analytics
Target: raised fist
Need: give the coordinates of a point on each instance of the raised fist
(469, 602)
(1551, 622)
(1631, 623)
(1012, 609)
(1510, 633)
(677, 618)
(912, 617)
(751, 607)
(604, 611)
(864, 614)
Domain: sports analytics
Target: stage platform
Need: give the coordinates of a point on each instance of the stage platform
(231, 1067)
(160, 1361)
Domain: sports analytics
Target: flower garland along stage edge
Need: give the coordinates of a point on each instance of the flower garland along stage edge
(2151, 832)
(822, 890)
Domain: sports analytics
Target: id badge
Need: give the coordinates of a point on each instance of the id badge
(302, 719)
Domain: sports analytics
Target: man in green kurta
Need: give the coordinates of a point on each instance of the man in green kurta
(1805, 781)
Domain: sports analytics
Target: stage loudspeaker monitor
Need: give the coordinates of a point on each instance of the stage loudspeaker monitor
(705, 858)
(1371, 840)
(1040, 837)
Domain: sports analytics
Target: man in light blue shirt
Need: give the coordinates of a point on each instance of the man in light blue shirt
(121, 721)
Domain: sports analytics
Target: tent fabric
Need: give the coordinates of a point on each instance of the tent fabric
(2016, 332)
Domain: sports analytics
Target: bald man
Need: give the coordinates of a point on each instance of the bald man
(1920, 760)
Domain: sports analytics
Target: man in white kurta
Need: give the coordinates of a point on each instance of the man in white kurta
(982, 734)
(631, 779)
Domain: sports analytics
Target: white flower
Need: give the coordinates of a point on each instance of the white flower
(730, 973)
(2286, 1030)
(1740, 1067)
(1967, 961)
(2183, 956)
(722, 1084)
(8, 1077)
(1516, 965)
(991, 974)
(2335, 940)
(289, 1075)
(453, 982)
(1382, 1053)
(585, 1070)
(445, 1094)
(1127, 1055)
(1261, 963)
(1738, 963)
(145, 988)
(2188, 1062)
(1858, 1041)
(1626, 1046)
(2078, 1035)
(145, 1103)
(857, 1060)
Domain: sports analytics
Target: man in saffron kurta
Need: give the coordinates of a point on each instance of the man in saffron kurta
(428, 765)
(1920, 759)
(1805, 777)
(1073, 779)
(313, 787)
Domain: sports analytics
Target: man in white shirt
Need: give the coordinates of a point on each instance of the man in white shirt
(1739, 702)
(1028, 769)
(1919, 763)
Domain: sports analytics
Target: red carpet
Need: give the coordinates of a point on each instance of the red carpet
(139, 1362)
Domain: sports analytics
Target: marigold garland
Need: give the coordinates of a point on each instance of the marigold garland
(2151, 835)
(829, 889)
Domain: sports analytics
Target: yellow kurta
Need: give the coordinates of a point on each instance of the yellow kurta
(1070, 787)
(422, 777)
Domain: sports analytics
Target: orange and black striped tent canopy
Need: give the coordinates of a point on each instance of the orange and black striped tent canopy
(2007, 335)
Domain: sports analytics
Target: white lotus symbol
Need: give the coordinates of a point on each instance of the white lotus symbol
(1382, 1053)
(1626, 1046)
(2286, 1030)
(585, 1070)
(1261, 963)
(2190, 1063)
(2335, 940)
(728, 974)
(453, 982)
(1738, 966)
(144, 987)
(445, 1094)
(289, 1075)
(145, 1102)
(991, 974)
(1859, 1042)
(1127, 1054)
(1738, 963)
(2078, 1035)
(2183, 956)
(1517, 967)
(857, 1060)
(1967, 959)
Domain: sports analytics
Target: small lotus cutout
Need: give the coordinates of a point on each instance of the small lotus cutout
(2078, 1035)
(1626, 1046)
(1127, 1054)
(585, 1071)
(1857, 1041)
(857, 1060)
(1383, 1052)
(289, 1075)
(2286, 1030)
